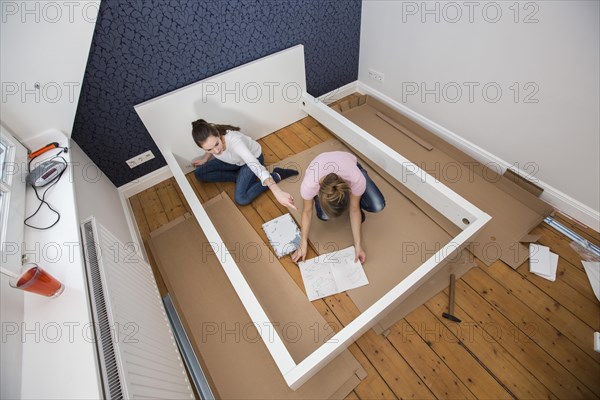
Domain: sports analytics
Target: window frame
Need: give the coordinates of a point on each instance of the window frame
(12, 206)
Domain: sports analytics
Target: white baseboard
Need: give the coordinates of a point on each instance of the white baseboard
(339, 93)
(145, 182)
(559, 200)
(134, 187)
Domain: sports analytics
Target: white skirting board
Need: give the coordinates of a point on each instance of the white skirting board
(132, 188)
(559, 200)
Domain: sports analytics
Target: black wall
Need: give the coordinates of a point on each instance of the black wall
(143, 49)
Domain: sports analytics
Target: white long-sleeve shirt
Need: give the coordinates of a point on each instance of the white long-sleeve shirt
(243, 150)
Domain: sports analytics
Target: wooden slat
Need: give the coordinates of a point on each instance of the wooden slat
(562, 334)
(545, 307)
(180, 194)
(540, 347)
(469, 369)
(373, 386)
(204, 190)
(309, 122)
(401, 378)
(144, 229)
(584, 231)
(268, 154)
(565, 295)
(504, 365)
(280, 149)
(305, 134)
(169, 198)
(153, 209)
(432, 369)
(322, 133)
(291, 139)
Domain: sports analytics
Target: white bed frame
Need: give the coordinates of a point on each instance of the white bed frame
(231, 97)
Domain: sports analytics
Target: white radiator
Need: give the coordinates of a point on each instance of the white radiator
(138, 354)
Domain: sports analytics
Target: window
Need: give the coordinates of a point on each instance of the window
(13, 169)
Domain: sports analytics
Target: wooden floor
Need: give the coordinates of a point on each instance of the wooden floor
(521, 336)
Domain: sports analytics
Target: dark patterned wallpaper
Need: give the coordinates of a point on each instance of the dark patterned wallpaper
(145, 48)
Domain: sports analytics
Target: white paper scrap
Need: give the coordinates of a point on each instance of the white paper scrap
(542, 261)
(283, 234)
(332, 273)
(551, 275)
(592, 269)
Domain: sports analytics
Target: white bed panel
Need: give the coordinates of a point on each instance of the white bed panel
(260, 97)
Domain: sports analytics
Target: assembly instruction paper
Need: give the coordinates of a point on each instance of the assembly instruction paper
(332, 273)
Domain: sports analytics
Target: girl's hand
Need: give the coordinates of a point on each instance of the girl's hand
(285, 199)
(199, 161)
(300, 254)
(360, 255)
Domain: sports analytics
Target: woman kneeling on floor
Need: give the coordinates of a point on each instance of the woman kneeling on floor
(232, 156)
(335, 182)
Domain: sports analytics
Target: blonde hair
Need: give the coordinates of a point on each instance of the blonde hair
(334, 195)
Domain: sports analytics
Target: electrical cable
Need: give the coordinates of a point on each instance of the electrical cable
(42, 199)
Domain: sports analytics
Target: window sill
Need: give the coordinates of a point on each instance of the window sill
(59, 352)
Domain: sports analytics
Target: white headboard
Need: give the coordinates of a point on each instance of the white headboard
(260, 97)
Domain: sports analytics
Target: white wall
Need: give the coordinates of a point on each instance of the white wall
(11, 348)
(96, 195)
(558, 56)
(45, 42)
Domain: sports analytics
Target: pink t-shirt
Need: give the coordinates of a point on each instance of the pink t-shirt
(339, 162)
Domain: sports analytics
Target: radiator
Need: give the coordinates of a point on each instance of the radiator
(137, 351)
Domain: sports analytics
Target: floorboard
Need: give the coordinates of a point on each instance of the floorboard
(521, 336)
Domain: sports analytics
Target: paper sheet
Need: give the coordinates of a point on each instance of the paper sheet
(332, 273)
(283, 234)
(542, 261)
(592, 269)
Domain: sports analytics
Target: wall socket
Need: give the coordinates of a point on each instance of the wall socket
(376, 76)
(140, 159)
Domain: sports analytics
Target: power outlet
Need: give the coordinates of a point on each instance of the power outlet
(140, 159)
(376, 76)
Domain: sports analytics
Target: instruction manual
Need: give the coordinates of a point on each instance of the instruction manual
(283, 234)
(332, 273)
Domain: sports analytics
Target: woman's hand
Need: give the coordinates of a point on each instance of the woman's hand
(300, 254)
(360, 255)
(201, 161)
(285, 199)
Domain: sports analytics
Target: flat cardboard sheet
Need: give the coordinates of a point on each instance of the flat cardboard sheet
(514, 210)
(223, 336)
(396, 241)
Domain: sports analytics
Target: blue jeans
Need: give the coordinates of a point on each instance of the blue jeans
(371, 200)
(247, 185)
